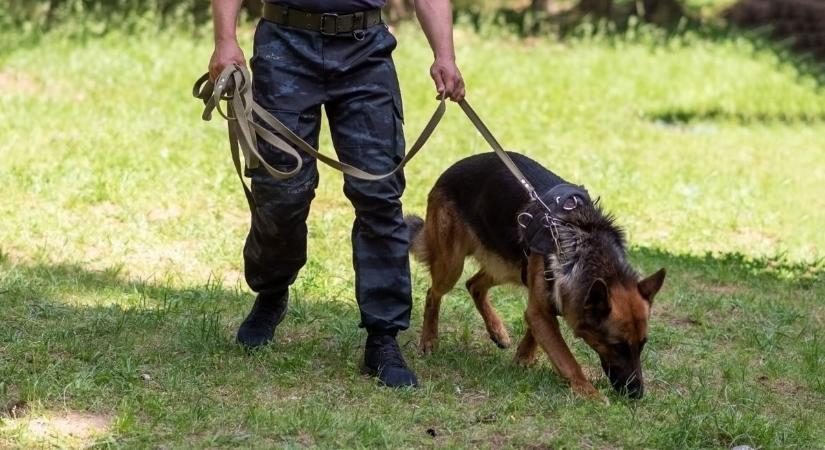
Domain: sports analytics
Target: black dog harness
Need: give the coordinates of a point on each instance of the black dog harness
(542, 221)
(541, 234)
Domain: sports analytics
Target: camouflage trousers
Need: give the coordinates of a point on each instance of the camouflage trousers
(295, 72)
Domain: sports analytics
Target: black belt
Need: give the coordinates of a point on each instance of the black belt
(325, 23)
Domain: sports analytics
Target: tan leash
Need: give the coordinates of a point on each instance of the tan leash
(234, 86)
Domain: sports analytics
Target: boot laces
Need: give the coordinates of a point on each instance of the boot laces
(391, 353)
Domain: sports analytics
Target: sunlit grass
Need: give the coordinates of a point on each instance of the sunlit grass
(120, 251)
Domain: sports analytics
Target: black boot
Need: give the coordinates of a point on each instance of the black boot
(382, 358)
(259, 326)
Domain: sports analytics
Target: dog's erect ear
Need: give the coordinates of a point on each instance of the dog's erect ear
(651, 285)
(597, 303)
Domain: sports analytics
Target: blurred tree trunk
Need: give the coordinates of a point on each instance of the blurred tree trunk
(598, 8)
(798, 22)
(659, 12)
(398, 10)
(544, 6)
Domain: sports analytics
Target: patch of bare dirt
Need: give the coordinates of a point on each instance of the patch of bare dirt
(236, 218)
(71, 424)
(699, 282)
(232, 278)
(818, 315)
(757, 237)
(665, 313)
(18, 83)
(304, 439)
(721, 289)
(65, 429)
(494, 441)
(164, 214)
(15, 409)
(781, 386)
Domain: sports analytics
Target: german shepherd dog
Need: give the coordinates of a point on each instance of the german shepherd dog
(574, 265)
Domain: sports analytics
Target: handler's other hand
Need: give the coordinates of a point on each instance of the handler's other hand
(226, 53)
(447, 79)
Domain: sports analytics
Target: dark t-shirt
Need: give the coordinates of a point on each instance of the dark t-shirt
(331, 6)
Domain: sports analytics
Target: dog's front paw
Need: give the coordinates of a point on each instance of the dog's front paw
(587, 390)
(501, 338)
(427, 345)
(525, 359)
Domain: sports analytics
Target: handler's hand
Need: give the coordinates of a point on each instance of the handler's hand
(447, 79)
(226, 53)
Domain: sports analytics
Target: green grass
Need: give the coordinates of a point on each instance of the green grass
(122, 226)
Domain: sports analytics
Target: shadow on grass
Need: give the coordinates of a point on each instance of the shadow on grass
(44, 300)
(160, 352)
(38, 288)
(681, 115)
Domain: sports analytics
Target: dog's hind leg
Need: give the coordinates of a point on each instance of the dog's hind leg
(446, 243)
(478, 286)
(443, 282)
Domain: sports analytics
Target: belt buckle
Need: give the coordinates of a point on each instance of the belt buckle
(324, 18)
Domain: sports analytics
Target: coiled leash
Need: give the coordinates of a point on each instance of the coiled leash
(234, 86)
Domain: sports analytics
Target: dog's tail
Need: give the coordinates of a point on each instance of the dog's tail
(418, 245)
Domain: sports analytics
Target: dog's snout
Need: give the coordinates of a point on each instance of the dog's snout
(628, 384)
(636, 392)
(633, 389)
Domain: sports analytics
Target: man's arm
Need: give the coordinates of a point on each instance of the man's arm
(227, 51)
(436, 17)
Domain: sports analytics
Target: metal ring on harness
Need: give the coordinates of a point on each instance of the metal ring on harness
(524, 214)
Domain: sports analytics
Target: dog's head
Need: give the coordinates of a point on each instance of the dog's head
(583, 244)
(612, 320)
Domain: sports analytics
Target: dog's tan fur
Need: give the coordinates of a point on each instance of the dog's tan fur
(446, 241)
